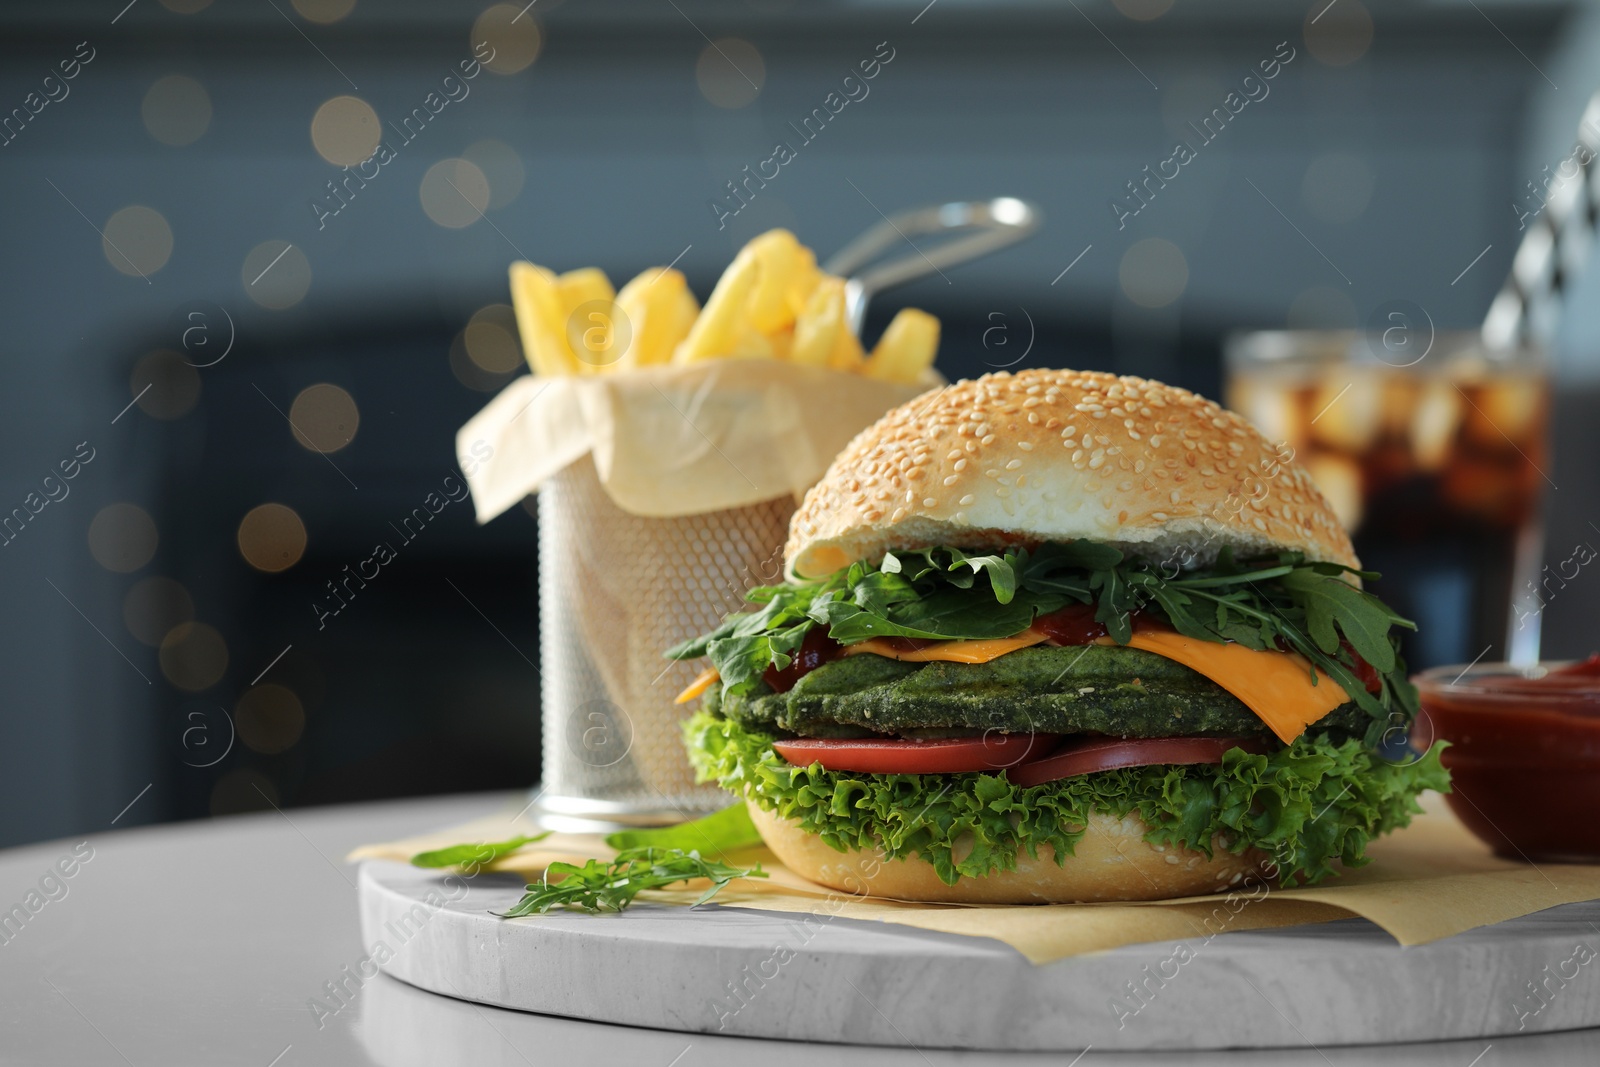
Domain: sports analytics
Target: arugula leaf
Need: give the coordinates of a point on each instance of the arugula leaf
(1002, 576)
(937, 617)
(1331, 602)
(725, 830)
(477, 854)
(1264, 603)
(599, 886)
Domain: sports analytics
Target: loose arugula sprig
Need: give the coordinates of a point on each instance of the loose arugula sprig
(1274, 602)
(598, 886)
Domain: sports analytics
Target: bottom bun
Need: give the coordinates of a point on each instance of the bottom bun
(1109, 863)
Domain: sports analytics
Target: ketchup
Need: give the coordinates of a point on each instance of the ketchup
(1074, 624)
(1365, 672)
(816, 648)
(1524, 755)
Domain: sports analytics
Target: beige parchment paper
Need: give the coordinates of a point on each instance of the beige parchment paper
(674, 440)
(1429, 881)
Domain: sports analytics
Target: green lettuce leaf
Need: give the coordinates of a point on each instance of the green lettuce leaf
(1309, 805)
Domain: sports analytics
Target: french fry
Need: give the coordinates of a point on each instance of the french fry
(581, 286)
(717, 330)
(817, 329)
(772, 302)
(660, 309)
(540, 320)
(751, 344)
(906, 348)
(588, 319)
(782, 343)
(778, 255)
(803, 282)
(847, 353)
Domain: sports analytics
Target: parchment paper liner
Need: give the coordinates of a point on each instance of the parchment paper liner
(668, 441)
(1429, 881)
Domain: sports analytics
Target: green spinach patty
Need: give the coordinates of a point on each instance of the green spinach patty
(1084, 689)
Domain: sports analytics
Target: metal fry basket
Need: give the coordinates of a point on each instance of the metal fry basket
(615, 591)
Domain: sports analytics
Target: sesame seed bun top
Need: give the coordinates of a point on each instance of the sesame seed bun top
(1062, 455)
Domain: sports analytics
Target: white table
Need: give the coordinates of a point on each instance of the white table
(203, 943)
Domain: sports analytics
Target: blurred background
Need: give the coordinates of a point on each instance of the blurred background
(252, 376)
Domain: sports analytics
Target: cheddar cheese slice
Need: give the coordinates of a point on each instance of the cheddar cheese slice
(1275, 685)
(948, 651)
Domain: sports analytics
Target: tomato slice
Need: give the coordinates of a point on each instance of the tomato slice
(991, 752)
(1086, 757)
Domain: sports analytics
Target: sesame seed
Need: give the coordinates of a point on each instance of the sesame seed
(951, 479)
(961, 464)
(1026, 446)
(929, 502)
(1013, 465)
(967, 500)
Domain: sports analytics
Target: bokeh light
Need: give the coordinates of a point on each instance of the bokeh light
(455, 193)
(1153, 272)
(176, 110)
(491, 339)
(324, 11)
(1340, 481)
(137, 240)
(269, 719)
(276, 275)
(1338, 34)
(501, 166)
(345, 130)
(154, 606)
(242, 790)
(193, 656)
(324, 418)
(122, 537)
(165, 385)
(730, 72)
(1337, 187)
(513, 35)
(271, 537)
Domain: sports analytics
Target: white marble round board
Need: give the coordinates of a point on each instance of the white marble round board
(772, 974)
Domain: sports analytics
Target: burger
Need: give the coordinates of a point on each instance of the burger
(1060, 636)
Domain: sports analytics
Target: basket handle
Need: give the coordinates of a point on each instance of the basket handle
(997, 223)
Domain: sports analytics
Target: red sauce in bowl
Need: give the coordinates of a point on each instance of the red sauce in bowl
(1524, 755)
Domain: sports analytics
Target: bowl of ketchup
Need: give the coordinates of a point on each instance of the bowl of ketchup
(1525, 754)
